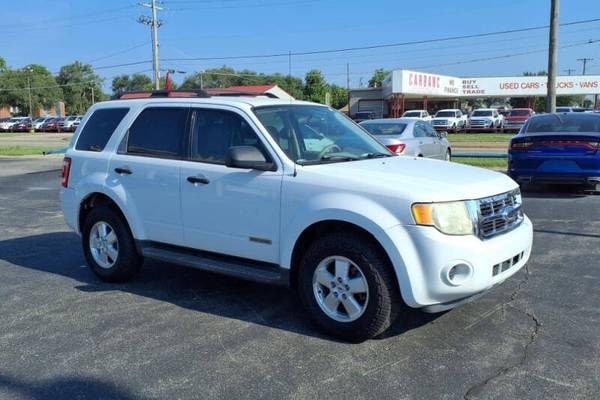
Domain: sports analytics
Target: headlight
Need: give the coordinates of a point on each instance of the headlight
(452, 218)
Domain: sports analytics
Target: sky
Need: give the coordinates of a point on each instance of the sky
(105, 33)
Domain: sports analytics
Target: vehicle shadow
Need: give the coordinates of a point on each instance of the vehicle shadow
(273, 306)
(554, 191)
(73, 387)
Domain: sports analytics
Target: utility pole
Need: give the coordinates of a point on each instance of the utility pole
(154, 24)
(584, 61)
(552, 57)
(348, 85)
(29, 91)
(93, 95)
(569, 71)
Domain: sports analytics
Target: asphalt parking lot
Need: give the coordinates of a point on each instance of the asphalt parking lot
(180, 333)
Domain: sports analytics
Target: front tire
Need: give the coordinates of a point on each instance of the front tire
(348, 287)
(108, 245)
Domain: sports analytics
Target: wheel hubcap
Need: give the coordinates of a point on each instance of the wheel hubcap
(104, 245)
(340, 288)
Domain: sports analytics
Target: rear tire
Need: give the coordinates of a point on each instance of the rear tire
(331, 298)
(108, 245)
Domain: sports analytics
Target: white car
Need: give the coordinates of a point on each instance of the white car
(451, 119)
(7, 125)
(226, 184)
(485, 119)
(410, 137)
(418, 114)
(38, 122)
(68, 123)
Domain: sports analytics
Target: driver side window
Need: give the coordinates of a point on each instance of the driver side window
(215, 131)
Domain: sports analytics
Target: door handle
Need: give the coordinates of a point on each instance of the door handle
(123, 171)
(198, 179)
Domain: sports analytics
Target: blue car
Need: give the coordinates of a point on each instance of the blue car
(557, 149)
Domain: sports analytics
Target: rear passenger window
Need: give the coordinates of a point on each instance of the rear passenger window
(215, 131)
(159, 132)
(99, 128)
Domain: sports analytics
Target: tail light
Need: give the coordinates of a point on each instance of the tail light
(66, 169)
(520, 146)
(397, 148)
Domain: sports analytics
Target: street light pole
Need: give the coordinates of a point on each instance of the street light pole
(552, 57)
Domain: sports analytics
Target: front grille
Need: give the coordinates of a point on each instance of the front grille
(477, 123)
(499, 214)
(443, 123)
(507, 264)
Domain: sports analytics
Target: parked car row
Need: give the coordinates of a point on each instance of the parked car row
(41, 124)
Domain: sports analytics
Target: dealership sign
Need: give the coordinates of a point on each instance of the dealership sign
(426, 84)
(529, 86)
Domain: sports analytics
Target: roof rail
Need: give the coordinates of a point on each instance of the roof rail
(161, 93)
(237, 93)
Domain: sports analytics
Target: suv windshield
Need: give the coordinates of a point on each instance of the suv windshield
(445, 114)
(412, 114)
(519, 113)
(565, 123)
(377, 129)
(316, 134)
(482, 113)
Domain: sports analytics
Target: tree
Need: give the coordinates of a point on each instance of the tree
(131, 83)
(339, 96)
(33, 79)
(79, 82)
(378, 76)
(315, 86)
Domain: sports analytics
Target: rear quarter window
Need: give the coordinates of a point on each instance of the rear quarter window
(99, 128)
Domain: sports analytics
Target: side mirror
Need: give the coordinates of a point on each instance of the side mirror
(248, 157)
(443, 135)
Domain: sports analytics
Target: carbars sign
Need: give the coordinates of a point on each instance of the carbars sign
(430, 84)
(529, 86)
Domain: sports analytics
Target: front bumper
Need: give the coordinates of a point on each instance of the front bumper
(426, 255)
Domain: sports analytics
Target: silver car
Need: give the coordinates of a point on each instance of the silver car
(411, 137)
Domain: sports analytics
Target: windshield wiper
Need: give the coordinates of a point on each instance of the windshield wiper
(339, 157)
(375, 155)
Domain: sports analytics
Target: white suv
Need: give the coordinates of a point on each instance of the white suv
(231, 185)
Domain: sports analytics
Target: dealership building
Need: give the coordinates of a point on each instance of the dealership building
(408, 90)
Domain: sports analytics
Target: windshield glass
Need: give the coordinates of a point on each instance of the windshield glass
(412, 114)
(445, 114)
(315, 134)
(378, 129)
(482, 113)
(519, 113)
(567, 123)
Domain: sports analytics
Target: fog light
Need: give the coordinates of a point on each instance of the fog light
(458, 274)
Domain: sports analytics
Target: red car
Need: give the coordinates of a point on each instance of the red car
(516, 119)
(22, 126)
(52, 125)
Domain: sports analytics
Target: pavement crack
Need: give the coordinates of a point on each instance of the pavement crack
(476, 389)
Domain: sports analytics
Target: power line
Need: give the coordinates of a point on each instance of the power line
(383, 45)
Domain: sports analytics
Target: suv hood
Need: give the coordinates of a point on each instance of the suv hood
(417, 179)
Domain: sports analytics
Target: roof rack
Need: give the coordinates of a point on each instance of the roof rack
(236, 93)
(161, 93)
